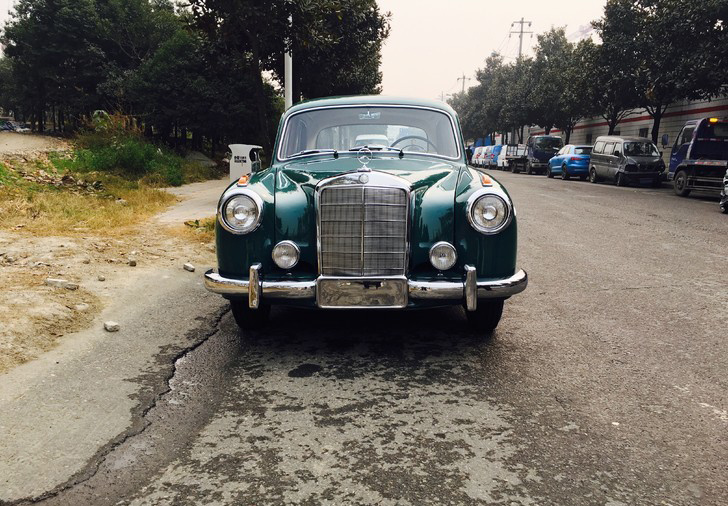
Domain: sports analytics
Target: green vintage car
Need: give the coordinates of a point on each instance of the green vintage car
(396, 224)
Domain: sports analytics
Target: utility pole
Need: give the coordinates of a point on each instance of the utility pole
(463, 79)
(443, 96)
(520, 33)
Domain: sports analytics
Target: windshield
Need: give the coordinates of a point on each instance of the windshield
(346, 128)
(582, 150)
(640, 149)
(549, 143)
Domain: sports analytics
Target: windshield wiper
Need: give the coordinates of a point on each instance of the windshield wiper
(314, 152)
(379, 148)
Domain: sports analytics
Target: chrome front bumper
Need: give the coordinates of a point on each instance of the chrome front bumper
(468, 291)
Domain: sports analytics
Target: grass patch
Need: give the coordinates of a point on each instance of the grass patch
(50, 209)
(197, 230)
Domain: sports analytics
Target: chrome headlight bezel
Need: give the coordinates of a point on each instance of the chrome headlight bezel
(227, 198)
(296, 250)
(450, 248)
(490, 192)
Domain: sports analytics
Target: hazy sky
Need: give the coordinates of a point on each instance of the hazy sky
(433, 42)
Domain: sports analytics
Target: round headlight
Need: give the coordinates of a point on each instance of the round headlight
(286, 254)
(489, 214)
(443, 256)
(241, 214)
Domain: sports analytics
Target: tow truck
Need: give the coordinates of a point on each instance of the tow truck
(699, 157)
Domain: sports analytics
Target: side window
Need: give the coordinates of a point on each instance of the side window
(609, 148)
(687, 135)
(599, 147)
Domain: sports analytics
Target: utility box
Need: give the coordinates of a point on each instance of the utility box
(245, 159)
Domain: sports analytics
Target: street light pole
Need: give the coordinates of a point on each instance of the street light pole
(288, 73)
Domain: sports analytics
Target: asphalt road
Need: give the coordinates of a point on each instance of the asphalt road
(605, 383)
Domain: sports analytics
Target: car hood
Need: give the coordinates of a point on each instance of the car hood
(433, 185)
(418, 172)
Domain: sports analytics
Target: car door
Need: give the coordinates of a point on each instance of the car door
(681, 146)
(615, 160)
(604, 168)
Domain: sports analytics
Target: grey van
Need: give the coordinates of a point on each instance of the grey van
(626, 160)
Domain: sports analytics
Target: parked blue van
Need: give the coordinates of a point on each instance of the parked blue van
(541, 148)
(699, 156)
(493, 160)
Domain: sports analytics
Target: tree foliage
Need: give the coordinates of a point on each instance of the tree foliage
(197, 71)
(651, 54)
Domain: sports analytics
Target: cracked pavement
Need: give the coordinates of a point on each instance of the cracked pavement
(604, 384)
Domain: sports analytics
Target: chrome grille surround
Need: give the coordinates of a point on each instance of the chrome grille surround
(363, 225)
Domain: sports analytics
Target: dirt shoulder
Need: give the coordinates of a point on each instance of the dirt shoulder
(54, 282)
(14, 143)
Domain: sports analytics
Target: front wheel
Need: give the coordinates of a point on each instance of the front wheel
(529, 168)
(724, 206)
(680, 184)
(249, 319)
(487, 315)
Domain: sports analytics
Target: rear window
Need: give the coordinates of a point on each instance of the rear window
(549, 143)
(582, 151)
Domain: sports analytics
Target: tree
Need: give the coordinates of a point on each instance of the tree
(574, 102)
(553, 54)
(65, 68)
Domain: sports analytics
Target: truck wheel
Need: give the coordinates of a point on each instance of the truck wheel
(621, 179)
(593, 175)
(724, 206)
(680, 184)
(487, 316)
(529, 169)
(514, 167)
(249, 319)
(565, 173)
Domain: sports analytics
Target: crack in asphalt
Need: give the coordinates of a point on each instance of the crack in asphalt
(140, 422)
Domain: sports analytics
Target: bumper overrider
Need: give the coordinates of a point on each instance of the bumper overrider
(395, 292)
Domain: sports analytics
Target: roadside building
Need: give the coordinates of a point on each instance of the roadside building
(639, 123)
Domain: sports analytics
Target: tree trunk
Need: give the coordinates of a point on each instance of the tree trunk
(567, 131)
(656, 114)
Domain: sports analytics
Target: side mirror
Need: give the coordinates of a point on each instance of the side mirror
(617, 153)
(665, 140)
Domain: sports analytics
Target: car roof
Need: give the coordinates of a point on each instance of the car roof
(616, 138)
(372, 100)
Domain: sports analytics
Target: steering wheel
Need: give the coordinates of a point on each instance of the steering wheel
(414, 137)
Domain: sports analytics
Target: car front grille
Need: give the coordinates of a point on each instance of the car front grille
(363, 231)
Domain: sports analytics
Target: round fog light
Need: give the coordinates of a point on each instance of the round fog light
(286, 254)
(443, 256)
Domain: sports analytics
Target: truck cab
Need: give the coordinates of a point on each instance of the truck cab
(699, 156)
(541, 148)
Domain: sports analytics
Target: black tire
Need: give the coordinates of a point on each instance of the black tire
(529, 168)
(249, 319)
(680, 184)
(621, 180)
(549, 174)
(565, 173)
(724, 206)
(593, 178)
(487, 316)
